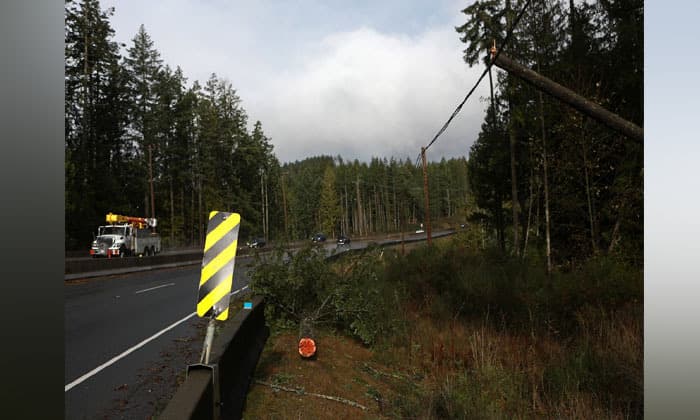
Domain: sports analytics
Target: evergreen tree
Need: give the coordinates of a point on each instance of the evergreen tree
(143, 64)
(94, 120)
(329, 211)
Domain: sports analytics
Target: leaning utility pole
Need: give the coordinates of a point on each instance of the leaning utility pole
(427, 199)
(569, 97)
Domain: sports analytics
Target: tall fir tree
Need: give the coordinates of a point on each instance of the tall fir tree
(94, 119)
(329, 209)
(143, 64)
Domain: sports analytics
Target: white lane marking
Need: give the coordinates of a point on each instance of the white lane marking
(126, 353)
(136, 347)
(154, 288)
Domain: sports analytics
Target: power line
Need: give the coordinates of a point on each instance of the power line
(488, 67)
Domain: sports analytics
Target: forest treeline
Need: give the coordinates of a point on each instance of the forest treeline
(538, 176)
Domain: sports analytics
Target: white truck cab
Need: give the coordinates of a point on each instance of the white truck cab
(130, 237)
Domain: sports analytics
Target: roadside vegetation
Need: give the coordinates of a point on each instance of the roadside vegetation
(452, 331)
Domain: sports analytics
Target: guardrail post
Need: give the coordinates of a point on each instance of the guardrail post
(213, 372)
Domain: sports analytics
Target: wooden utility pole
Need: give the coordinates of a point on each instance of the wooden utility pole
(284, 204)
(346, 223)
(427, 198)
(571, 98)
(360, 216)
(267, 212)
(403, 229)
(150, 175)
(262, 202)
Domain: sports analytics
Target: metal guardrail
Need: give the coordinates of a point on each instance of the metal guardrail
(218, 390)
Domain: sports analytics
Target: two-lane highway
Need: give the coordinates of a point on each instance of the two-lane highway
(118, 327)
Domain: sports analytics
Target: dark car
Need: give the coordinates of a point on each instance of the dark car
(343, 240)
(257, 243)
(319, 237)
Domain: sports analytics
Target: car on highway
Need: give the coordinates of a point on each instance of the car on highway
(343, 240)
(257, 243)
(319, 237)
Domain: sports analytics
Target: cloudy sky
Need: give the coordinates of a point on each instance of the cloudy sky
(351, 78)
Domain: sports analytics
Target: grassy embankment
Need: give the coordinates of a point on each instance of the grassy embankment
(452, 332)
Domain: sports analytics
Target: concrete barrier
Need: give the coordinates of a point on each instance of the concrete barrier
(194, 399)
(105, 264)
(219, 390)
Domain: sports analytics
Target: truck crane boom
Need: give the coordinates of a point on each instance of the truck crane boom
(141, 222)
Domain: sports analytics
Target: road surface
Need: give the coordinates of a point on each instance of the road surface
(112, 340)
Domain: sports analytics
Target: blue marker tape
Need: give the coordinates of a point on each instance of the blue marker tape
(247, 305)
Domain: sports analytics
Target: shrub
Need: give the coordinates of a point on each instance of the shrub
(307, 287)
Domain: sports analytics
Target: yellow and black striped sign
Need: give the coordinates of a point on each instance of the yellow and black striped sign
(217, 264)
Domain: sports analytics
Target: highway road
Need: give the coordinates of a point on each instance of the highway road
(128, 336)
(112, 340)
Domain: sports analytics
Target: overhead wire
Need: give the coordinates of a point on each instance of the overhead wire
(483, 74)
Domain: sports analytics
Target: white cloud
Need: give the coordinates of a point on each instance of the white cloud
(364, 93)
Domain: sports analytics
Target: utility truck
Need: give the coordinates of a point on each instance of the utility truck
(124, 236)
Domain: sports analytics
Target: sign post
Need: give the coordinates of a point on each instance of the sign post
(215, 285)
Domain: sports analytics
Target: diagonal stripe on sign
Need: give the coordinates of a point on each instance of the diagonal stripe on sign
(226, 256)
(220, 246)
(223, 316)
(220, 230)
(220, 291)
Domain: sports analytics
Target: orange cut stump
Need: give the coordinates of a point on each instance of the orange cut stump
(307, 347)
